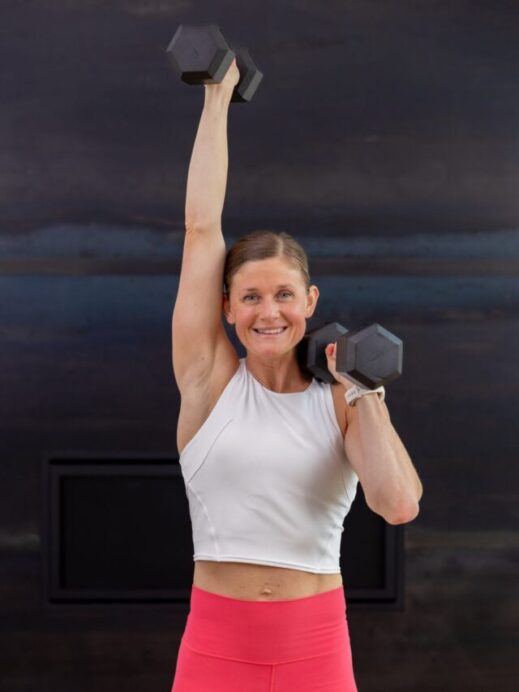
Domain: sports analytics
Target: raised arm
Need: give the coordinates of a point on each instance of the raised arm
(197, 328)
(207, 176)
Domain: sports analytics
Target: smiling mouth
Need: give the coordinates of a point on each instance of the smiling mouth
(273, 333)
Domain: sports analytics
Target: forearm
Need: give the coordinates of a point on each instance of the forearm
(389, 474)
(207, 175)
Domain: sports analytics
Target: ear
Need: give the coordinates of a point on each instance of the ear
(311, 301)
(226, 308)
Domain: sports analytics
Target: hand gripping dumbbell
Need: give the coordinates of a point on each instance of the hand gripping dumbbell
(370, 357)
(201, 55)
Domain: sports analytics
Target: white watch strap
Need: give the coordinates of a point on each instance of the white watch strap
(356, 392)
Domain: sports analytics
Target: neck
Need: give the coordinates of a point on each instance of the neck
(281, 375)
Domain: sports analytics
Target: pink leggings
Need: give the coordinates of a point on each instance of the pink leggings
(236, 645)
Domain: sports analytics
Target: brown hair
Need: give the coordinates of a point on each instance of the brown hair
(260, 245)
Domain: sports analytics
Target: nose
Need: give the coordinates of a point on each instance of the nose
(269, 309)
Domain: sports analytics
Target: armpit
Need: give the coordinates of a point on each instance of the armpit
(339, 402)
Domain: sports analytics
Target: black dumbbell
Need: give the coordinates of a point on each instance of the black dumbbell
(370, 357)
(200, 55)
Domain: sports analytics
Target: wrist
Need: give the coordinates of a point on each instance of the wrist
(356, 392)
(216, 97)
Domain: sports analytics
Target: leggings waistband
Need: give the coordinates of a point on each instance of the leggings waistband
(267, 631)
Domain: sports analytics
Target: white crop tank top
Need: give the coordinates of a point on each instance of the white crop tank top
(267, 478)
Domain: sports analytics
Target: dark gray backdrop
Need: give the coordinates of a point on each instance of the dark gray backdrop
(385, 138)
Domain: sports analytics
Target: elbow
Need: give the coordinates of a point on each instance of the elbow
(404, 515)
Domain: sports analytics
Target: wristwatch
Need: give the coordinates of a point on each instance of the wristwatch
(356, 392)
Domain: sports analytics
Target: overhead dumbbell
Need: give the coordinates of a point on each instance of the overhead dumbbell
(370, 357)
(200, 55)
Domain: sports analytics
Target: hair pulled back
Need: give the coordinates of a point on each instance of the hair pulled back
(260, 245)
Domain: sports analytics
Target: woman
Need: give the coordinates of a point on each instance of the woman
(271, 457)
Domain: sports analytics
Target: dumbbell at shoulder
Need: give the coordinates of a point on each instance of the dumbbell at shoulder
(370, 357)
(311, 350)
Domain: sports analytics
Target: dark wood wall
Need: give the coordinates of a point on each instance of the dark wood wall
(385, 138)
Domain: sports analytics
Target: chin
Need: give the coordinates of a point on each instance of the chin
(272, 352)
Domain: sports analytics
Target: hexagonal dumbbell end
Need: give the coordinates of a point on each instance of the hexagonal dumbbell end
(199, 54)
(311, 354)
(250, 76)
(370, 357)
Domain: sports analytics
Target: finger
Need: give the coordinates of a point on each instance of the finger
(330, 350)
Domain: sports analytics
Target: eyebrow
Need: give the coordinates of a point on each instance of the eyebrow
(280, 286)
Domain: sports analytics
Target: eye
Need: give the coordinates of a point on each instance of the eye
(287, 293)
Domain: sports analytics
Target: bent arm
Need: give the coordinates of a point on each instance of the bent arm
(377, 455)
(376, 452)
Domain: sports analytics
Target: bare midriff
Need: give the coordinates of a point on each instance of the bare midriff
(261, 582)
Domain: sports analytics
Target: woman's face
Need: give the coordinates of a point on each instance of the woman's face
(269, 294)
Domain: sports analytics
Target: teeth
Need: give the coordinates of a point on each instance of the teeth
(270, 331)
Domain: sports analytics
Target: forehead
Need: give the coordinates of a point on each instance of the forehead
(278, 270)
